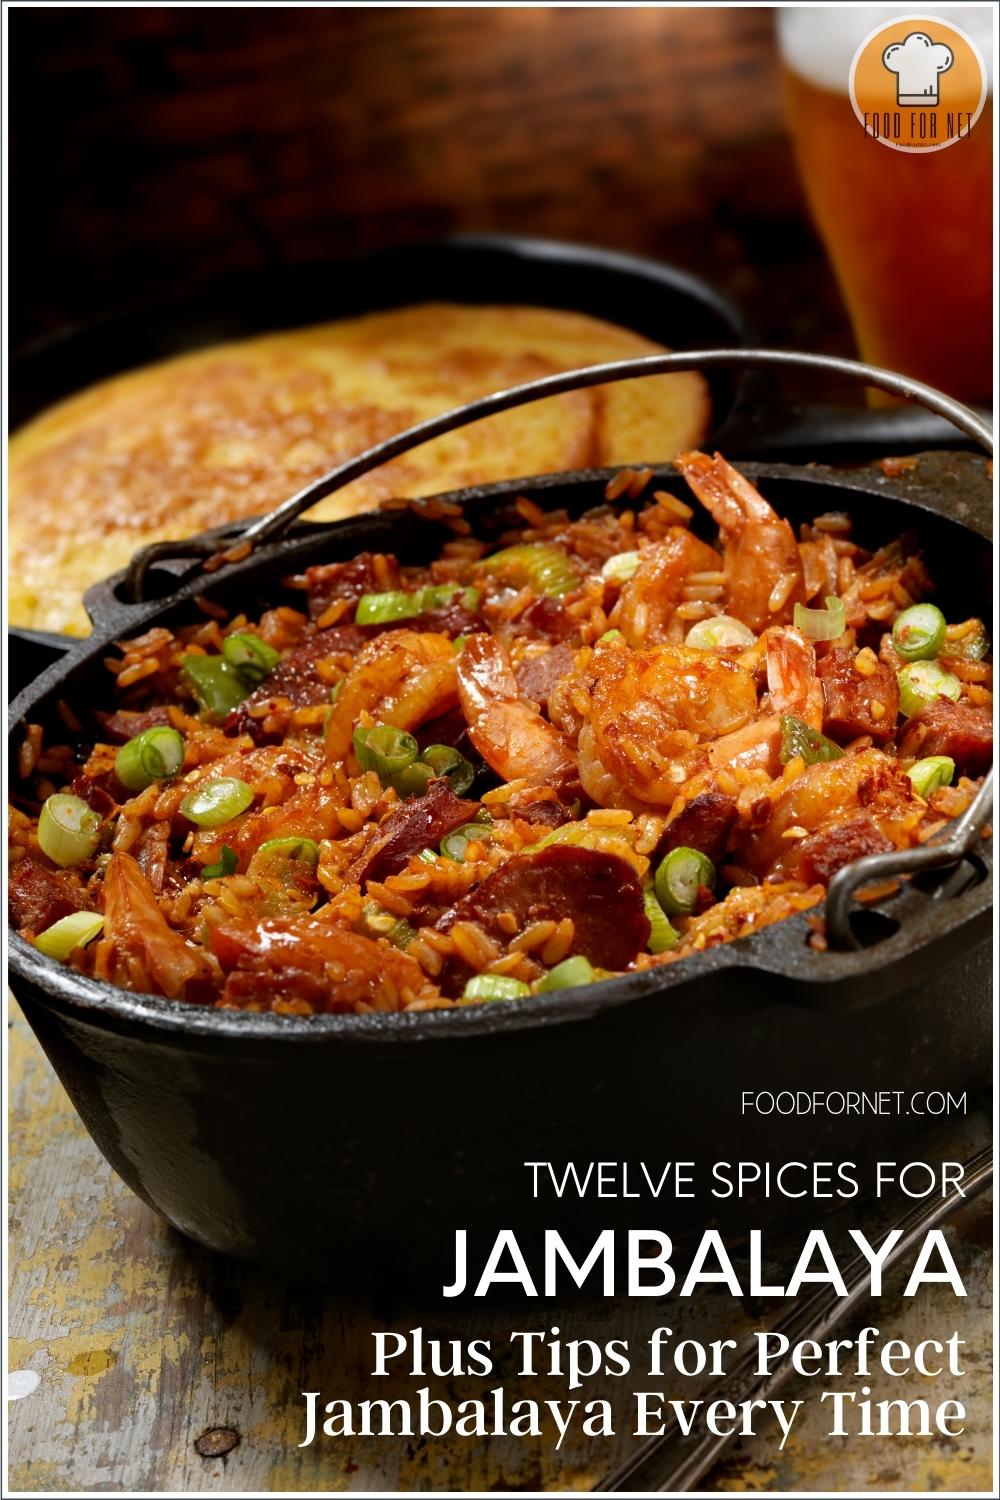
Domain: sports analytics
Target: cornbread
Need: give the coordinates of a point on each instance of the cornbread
(232, 430)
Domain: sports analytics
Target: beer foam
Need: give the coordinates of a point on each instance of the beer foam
(819, 43)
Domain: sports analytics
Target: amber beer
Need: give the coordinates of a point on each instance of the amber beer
(909, 234)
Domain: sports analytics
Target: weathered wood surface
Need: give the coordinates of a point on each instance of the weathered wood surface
(162, 1367)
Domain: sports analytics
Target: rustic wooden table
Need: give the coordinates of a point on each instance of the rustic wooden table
(151, 149)
(145, 1363)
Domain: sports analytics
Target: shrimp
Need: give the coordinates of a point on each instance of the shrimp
(762, 562)
(652, 713)
(510, 734)
(402, 677)
(868, 787)
(646, 605)
(139, 949)
(665, 720)
(793, 688)
(792, 684)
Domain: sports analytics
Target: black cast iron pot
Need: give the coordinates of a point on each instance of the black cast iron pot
(354, 1146)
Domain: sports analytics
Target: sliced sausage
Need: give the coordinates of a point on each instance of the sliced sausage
(822, 854)
(39, 896)
(598, 891)
(414, 825)
(854, 704)
(538, 675)
(704, 823)
(297, 678)
(547, 617)
(368, 573)
(961, 730)
(118, 728)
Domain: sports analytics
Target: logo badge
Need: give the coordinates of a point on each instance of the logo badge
(918, 83)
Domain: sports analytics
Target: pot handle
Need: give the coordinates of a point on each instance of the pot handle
(961, 839)
(273, 526)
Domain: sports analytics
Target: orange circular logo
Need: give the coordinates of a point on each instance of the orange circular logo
(918, 83)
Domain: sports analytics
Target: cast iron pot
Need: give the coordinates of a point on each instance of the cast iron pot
(354, 1146)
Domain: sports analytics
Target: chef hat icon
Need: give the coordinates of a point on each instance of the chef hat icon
(917, 63)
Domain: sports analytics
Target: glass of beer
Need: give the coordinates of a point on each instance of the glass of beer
(909, 233)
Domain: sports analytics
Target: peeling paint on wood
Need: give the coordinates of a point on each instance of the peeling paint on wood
(164, 1367)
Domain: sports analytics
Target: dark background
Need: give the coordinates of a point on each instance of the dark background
(153, 150)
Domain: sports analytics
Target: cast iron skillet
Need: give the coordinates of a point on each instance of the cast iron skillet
(356, 1145)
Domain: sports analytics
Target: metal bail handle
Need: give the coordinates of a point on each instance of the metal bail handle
(272, 527)
(964, 834)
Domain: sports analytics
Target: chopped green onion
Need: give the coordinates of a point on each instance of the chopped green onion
(495, 987)
(429, 856)
(335, 690)
(454, 844)
(921, 683)
(381, 923)
(621, 567)
(216, 801)
(217, 687)
(568, 975)
(250, 656)
(972, 646)
(918, 633)
(799, 738)
(821, 624)
(459, 642)
(663, 935)
(444, 760)
(931, 774)
(586, 834)
(74, 931)
(680, 877)
(384, 749)
(610, 635)
(68, 830)
(718, 634)
(539, 565)
(227, 864)
(395, 604)
(294, 846)
(382, 609)
(153, 755)
(414, 780)
(438, 595)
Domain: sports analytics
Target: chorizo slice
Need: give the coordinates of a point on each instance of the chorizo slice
(414, 825)
(298, 678)
(854, 704)
(818, 857)
(598, 891)
(704, 823)
(538, 675)
(368, 573)
(961, 730)
(39, 896)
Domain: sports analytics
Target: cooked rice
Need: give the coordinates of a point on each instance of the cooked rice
(373, 928)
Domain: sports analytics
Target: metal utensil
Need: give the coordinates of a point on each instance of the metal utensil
(673, 1463)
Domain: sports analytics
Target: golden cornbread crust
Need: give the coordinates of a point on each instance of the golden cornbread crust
(232, 430)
